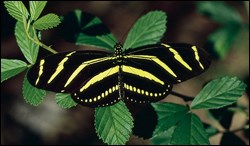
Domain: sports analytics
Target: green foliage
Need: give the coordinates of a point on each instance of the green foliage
(27, 46)
(149, 29)
(17, 10)
(218, 93)
(163, 138)
(219, 12)
(31, 94)
(170, 112)
(65, 101)
(11, 67)
(189, 131)
(114, 123)
(46, 22)
(36, 8)
(87, 29)
(222, 39)
(183, 127)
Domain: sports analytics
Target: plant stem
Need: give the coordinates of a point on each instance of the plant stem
(26, 26)
(184, 97)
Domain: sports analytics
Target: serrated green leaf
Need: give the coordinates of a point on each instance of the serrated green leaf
(27, 46)
(32, 95)
(46, 22)
(163, 138)
(17, 10)
(11, 67)
(86, 29)
(219, 12)
(36, 8)
(218, 93)
(189, 131)
(168, 115)
(65, 101)
(149, 29)
(114, 123)
(223, 39)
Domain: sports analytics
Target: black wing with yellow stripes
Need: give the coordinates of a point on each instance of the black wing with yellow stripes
(100, 78)
(154, 68)
(68, 73)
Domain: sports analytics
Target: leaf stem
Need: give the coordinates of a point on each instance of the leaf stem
(184, 97)
(26, 26)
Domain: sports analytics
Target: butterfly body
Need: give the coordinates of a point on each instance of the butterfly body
(102, 78)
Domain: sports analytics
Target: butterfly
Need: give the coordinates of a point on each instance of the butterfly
(102, 78)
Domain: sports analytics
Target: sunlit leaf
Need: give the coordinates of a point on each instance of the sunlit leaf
(36, 8)
(218, 93)
(114, 123)
(47, 21)
(149, 29)
(32, 95)
(11, 67)
(65, 101)
(17, 10)
(27, 46)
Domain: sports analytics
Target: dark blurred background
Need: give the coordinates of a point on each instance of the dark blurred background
(22, 123)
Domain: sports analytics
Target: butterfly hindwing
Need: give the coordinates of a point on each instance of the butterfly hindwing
(101, 89)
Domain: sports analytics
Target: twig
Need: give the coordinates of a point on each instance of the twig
(184, 97)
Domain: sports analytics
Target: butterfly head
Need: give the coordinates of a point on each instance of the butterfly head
(118, 49)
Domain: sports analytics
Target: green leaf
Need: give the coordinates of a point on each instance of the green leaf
(11, 67)
(163, 138)
(218, 93)
(86, 29)
(223, 39)
(219, 12)
(17, 10)
(36, 8)
(31, 94)
(46, 22)
(114, 123)
(168, 115)
(27, 46)
(149, 29)
(189, 131)
(64, 100)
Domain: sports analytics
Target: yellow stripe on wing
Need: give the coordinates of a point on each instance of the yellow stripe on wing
(60, 67)
(197, 56)
(179, 58)
(40, 70)
(82, 66)
(141, 73)
(100, 77)
(156, 60)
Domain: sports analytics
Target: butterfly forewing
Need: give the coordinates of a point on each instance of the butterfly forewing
(172, 63)
(65, 72)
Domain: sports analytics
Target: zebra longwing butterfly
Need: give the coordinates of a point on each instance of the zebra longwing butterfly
(102, 78)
